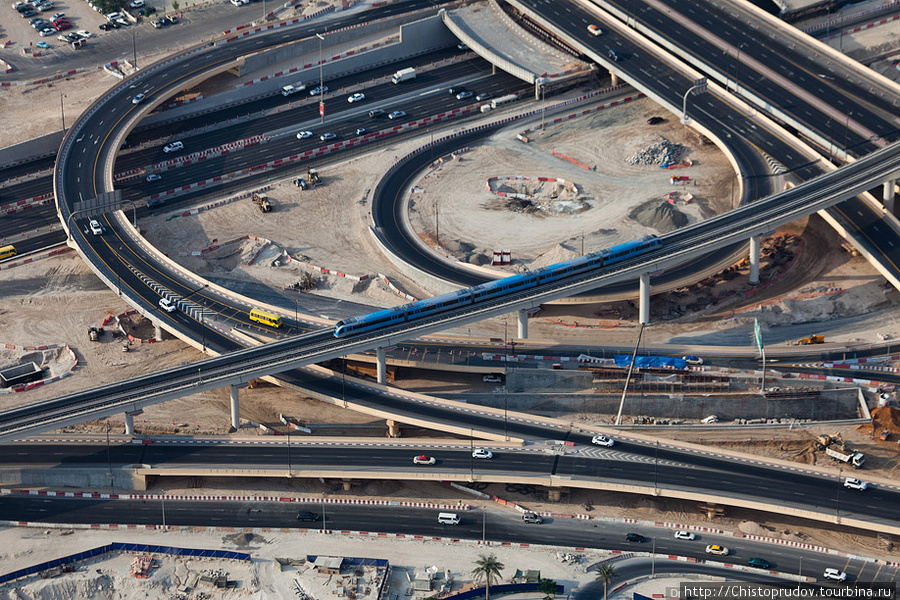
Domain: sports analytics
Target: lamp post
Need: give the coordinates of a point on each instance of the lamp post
(62, 111)
(846, 132)
(203, 332)
(321, 81)
(134, 47)
(163, 500)
(471, 455)
(289, 450)
(108, 457)
(800, 570)
(323, 512)
(483, 525)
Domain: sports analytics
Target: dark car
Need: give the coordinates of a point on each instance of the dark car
(613, 55)
(654, 120)
(377, 112)
(759, 563)
(634, 537)
(156, 203)
(456, 89)
(305, 515)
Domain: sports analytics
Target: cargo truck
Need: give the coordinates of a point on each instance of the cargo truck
(404, 75)
(846, 455)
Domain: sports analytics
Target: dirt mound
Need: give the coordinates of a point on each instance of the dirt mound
(661, 216)
(884, 417)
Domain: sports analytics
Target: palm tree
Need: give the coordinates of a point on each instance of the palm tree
(605, 573)
(487, 569)
(547, 587)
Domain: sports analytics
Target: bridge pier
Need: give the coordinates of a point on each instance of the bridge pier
(393, 428)
(644, 302)
(129, 424)
(888, 195)
(754, 259)
(523, 325)
(235, 409)
(157, 331)
(381, 365)
(614, 79)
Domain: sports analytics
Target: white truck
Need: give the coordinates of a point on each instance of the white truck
(846, 455)
(292, 89)
(404, 75)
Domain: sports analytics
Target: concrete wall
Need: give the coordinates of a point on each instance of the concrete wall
(459, 29)
(46, 145)
(831, 404)
(420, 37)
(81, 478)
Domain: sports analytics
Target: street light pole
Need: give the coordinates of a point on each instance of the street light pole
(289, 450)
(134, 48)
(321, 82)
(163, 500)
(323, 512)
(62, 111)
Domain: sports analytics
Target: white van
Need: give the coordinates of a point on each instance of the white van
(173, 147)
(448, 518)
(710, 420)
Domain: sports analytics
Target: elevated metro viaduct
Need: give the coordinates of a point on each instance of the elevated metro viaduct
(523, 322)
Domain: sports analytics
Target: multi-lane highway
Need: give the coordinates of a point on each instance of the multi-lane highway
(490, 525)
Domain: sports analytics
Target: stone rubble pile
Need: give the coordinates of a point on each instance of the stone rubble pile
(661, 152)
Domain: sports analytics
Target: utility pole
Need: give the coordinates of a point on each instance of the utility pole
(321, 82)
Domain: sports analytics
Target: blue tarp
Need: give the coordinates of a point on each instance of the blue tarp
(502, 588)
(644, 362)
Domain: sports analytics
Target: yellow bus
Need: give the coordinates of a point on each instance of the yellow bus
(7, 252)
(266, 318)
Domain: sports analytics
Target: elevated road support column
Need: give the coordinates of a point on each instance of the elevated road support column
(382, 365)
(889, 195)
(613, 79)
(129, 424)
(523, 324)
(235, 409)
(754, 259)
(644, 309)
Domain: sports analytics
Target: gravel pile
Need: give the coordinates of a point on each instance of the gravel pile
(656, 154)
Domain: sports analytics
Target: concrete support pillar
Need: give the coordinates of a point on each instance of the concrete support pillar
(346, 485)
(157, 331)
(129, 424)
(523, 325)
(614, 79)
(382, 365)
(554, 495)
(235, 409)
(644, 307)
(754, 260)
(393, 428)
(889, 195)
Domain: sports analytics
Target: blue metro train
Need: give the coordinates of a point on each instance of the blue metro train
(494, 289)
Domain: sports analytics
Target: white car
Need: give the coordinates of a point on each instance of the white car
(326, 137)
(357, 97)
(685, 535)
(594, 30)
(136, 4)
(154, 177)
(717, 550)
(855, 484)
(95, 226)
(167, 305)
(482, 453)
(173, 147)
(84, 34)
(304, 135)
(834, 574)
(397, 114)
(139, 98)
(424, 460)
(602, 440)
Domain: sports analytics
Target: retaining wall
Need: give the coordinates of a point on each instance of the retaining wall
(45, 145)
(830, 405)
(418, 37)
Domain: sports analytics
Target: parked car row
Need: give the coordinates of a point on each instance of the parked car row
(29, 8)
